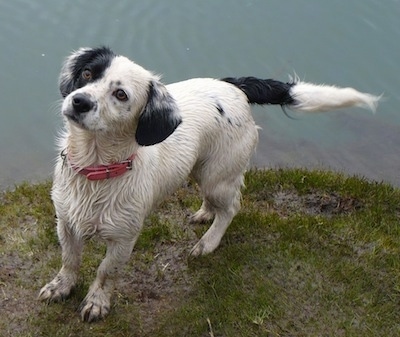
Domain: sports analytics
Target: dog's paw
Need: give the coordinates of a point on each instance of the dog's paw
(207, 244)
(202, 248)
(197, 250)
(57, 290)
(201, 216)
(95, 306)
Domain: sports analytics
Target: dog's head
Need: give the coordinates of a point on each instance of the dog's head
(105, 92)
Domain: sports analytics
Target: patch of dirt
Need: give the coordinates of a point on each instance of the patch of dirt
(315, 203)
(16, 300)
(159, 286)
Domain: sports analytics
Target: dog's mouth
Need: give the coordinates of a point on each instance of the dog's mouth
(74, 117)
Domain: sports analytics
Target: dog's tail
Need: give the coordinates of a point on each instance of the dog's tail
(302, 96)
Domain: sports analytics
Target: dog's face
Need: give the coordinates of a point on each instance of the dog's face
(105, 92)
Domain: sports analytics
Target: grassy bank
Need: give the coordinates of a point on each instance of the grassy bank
(310, 254)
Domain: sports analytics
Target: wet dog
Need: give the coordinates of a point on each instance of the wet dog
(130, 140)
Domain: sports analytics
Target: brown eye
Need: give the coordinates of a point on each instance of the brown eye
(87, 74)
(120, 95)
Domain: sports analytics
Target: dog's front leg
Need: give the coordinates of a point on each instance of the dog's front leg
(96, 304)
(71, 244)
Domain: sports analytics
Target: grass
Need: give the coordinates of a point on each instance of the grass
(311, 253)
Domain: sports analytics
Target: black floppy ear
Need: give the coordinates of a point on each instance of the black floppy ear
(159, 118)
(66, 81)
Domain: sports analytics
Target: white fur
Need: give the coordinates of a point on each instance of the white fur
(321, 98)
(213, 148)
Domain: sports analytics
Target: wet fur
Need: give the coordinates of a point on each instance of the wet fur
(200, 127)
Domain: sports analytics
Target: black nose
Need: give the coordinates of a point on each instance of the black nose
(81, 103)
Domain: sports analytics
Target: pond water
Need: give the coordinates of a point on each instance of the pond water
(348, 43)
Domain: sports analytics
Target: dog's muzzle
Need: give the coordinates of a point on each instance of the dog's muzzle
(81, 103)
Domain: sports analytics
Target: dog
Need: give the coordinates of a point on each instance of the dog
(129, 141)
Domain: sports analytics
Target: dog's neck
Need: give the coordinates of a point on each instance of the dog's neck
(87, 148)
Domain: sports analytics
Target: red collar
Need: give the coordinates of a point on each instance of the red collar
(102, 172)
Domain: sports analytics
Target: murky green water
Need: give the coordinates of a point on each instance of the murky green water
(349, 43)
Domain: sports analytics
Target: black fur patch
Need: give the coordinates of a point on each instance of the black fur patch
(159, 118)
(220, 109)
(96, 60)
(260, 91)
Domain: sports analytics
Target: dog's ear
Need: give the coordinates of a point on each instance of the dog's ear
(159, 118)
(66, 81)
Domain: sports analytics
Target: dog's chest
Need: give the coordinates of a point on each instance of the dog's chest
(83, 213)
(95, 208)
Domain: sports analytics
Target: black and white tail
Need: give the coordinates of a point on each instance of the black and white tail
(302, 96)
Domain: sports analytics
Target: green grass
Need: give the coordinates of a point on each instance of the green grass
(310, 254)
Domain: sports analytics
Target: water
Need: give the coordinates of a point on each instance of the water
(348, 43)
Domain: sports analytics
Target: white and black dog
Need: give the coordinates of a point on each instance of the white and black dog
(129, 141)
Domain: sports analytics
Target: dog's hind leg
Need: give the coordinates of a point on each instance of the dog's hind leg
(60, 287)
(224, 199)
